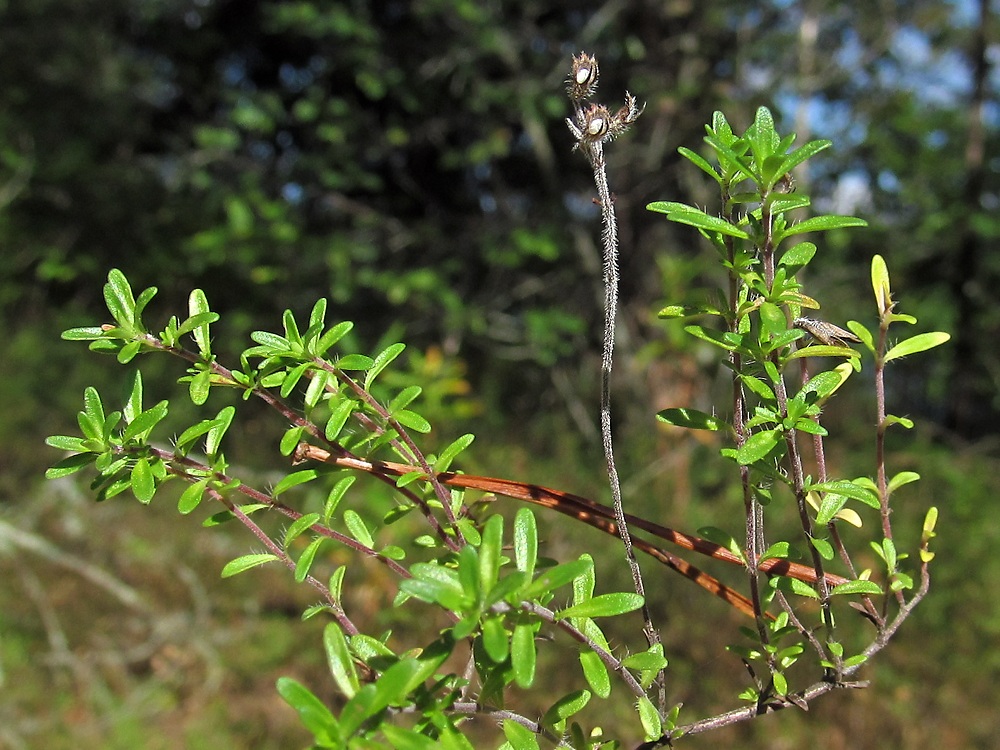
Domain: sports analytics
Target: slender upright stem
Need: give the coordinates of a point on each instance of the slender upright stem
(592, 126)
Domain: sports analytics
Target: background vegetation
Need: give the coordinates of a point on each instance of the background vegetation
(409, 161)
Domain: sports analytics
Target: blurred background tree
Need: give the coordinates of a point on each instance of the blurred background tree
(409, 161)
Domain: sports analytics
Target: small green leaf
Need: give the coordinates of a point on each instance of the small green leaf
(382, 360)
(88, 333)
(222, 422)
(779, 550)
(880, 285)
(119, 299)
(290, 440)
(67, 443)
(293, 480)
(496, 642)
(824, 547)
(315, 716)
(300, 525)
(903, 477)
(822, 224)
(192, 433)
(915, 344)
(683, 214)
(801, 588)
(557, 576)
(596, 673)
(522, 654)
(412, 420)
(338, 657)
(448, 455)
(780, 683)
(757, 446)
(724, 339)
(246, 562)
(857, 587)
(356, 526)
(191, 497)
(525, 541)
(691, 419)
(489, 553)
(645, 660)
(567, 706)
(404, 398)
(652, 726)
(305, 561)
(332, 336)
(336, 495)
(605, 605)
(145, 422)
(199, 387)
(143, 482)
(699, 162)
(519, 737)
(854, 490)
(354, 362)
(338, 418)
(69, 465)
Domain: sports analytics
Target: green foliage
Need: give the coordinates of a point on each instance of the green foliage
(342, 411)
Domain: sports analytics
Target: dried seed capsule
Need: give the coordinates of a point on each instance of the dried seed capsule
(583, 77)
(597, 126)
